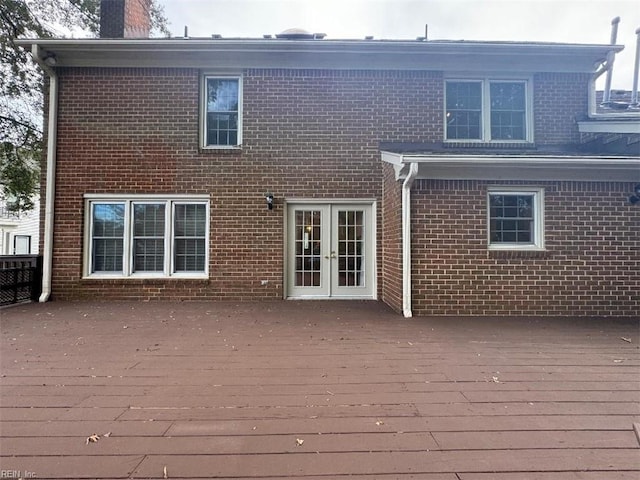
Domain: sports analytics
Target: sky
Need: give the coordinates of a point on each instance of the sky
(568, 21)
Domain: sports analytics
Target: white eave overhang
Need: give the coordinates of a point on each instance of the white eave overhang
(512, 167)
(612, 123)
(338, 54)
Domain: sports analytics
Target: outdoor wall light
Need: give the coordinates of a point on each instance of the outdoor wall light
(269, 197)
(635, 198)
(50, 59)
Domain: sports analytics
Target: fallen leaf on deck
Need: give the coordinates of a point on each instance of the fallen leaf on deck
(495, 379)
(379, 423)
(93, 438)
(107, 435)
(165, 475)
(628, 340)
(299, 442)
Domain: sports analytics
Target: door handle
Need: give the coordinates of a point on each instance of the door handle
(331, 255)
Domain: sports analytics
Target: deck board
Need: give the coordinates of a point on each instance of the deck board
(229, 390)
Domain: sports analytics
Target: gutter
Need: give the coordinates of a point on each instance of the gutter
(406, 239)
(52, 130)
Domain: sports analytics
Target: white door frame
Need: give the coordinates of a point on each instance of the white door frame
(371, 245)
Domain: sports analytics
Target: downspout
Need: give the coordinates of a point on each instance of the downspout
(406, 239)
(610, 58)
(52, 129)
(636, 70)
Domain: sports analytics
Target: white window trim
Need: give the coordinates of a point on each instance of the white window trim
(203, 111)
(127, 267)
(485, 119)
(538, 218)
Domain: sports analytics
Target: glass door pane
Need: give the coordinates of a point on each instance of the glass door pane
(350, 225)
(308, 248)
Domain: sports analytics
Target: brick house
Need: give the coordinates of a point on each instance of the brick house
(441, 177)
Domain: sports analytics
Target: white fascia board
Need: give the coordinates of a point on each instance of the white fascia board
(602, 124)
(338, 54)
(470, 167)
(393, 158)
(396, 160)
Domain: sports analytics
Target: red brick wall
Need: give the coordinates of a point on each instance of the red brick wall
(137, 22)
(391, 265)
(589, 268)
(125, 18)
(307, 134)
(559, 102)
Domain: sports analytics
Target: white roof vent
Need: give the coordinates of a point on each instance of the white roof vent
(299, 34)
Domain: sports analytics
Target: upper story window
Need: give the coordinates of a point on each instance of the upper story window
(487, 110)
(146, 236)
(222, 112)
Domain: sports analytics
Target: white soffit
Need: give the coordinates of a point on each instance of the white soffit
(471, 167)
(339, 54)
(604, 125)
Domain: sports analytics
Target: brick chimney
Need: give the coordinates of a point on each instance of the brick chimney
(125, 18)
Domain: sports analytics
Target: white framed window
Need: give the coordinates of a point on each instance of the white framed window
(515, 218)
(221, 111)
(488, 110)
(22, 245)
(146, 236)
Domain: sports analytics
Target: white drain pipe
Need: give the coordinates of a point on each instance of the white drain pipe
(606, 96)
(406, 239)
(636, 70)
(51, 173)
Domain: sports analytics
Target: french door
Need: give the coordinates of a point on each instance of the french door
(330, 250)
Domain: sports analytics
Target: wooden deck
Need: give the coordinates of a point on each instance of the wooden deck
(314, 390)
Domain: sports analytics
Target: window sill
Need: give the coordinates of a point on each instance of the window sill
(505, 253)
(146, 277)
(459, 142)
(517, 247)
(221, 149)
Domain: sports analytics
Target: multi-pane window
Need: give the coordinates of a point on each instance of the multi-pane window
(464, 110)
(158, 237)
(190, 235)
(508, 110)
(222, 115)
(486, 110)
(515, 219)
(148, 237)
(107, 237)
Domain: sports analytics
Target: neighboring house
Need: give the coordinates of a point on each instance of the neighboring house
(441, 177)
(19, 233)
